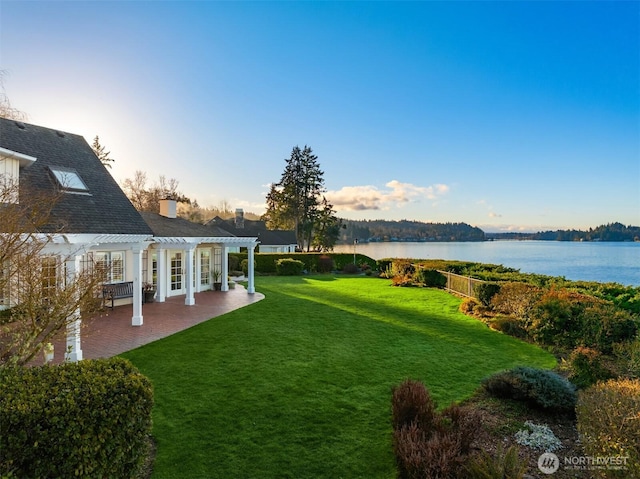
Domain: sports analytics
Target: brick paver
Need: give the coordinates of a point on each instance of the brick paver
(110, 332)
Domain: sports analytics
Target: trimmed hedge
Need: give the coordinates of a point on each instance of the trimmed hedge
(87, 419)
(313, 262)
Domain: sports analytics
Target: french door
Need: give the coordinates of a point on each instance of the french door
(176, 273)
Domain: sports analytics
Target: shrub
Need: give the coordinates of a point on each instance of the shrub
(420, 457)
(603, 324)
(568, 319)
(628, 355)
(412, 403)
(289, 267)
(468, 305)
(234, 262)
(484, 292)
(538, 436)
(608, 417)
(504, 465)
(385, 267)
(516, 299)
(586, 367)
(87, 419)
(511, 326)
(537, 387)
(428, 444)
(325, 264)
(350, 268)
(431, 278)
(244, 265)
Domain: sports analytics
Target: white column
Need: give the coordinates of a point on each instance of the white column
(251, 286)
(162, 275)
(136, 319)
(73, 350)
(190, 300)
(224, 267)
(197, 272)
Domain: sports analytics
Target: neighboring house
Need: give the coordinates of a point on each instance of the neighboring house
(95, 223)
(271, 241)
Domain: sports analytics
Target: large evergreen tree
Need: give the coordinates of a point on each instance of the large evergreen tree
(296, 201)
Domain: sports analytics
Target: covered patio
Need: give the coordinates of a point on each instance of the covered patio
(109, 332)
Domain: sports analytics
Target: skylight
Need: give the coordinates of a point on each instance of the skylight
(68, 179)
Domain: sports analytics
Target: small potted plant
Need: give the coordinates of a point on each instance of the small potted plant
(149, 291)
(217, 284)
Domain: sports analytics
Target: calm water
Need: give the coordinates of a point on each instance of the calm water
(602, 262)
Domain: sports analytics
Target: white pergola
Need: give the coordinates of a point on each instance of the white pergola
(190, 244)
(71, 247)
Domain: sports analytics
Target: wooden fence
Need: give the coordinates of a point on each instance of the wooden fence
(463, 285)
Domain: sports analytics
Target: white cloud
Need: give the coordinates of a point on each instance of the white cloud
(362, 198)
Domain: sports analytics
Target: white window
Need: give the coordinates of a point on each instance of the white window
(111, 264)
(49, 276)
(205, 267)
(68, 179)
(176, 271)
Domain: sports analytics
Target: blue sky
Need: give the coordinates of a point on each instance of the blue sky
(504, 115)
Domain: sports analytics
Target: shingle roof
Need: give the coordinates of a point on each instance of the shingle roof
(180, 227)
(106, 209)
(257, 229)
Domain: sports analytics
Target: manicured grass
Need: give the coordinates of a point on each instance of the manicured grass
(298, 385)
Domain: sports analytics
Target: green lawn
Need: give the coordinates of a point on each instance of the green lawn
(298, 385)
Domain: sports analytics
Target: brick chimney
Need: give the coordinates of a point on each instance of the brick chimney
(168, 208)
(239, 218)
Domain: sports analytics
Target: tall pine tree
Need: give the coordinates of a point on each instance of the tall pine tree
(296, 202)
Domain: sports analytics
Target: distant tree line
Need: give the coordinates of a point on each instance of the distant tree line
(405, 230)
(609, 232)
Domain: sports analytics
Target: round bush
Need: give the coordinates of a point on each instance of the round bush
(289, 267)
(87, 419)
(537, 387)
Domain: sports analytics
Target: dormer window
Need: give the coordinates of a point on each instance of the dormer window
(68, 179)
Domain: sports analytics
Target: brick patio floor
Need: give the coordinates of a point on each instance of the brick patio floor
(110, 332)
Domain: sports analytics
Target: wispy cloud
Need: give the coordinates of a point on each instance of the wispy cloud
(396, 193)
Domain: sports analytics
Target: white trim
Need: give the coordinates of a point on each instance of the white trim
(229, 240)
(24, 160)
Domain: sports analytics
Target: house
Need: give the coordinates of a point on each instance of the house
(190, 254)
(93, 223)
(270, 241)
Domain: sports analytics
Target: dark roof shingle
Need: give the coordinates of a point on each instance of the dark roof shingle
(104, 210)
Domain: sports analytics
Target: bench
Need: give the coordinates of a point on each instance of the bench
(113, 291)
